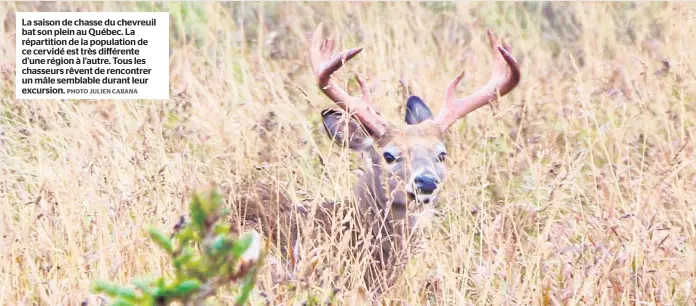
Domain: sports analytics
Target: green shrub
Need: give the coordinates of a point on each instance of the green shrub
(205, 256)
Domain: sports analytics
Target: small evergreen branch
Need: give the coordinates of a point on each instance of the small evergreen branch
(205, 256)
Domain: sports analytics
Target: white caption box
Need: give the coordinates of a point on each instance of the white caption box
(92, 55)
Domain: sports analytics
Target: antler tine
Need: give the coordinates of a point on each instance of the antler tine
(324, 65)
(504, 78)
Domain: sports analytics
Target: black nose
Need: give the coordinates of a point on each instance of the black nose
(426, 184)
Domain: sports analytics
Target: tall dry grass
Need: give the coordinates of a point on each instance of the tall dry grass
(579, 188)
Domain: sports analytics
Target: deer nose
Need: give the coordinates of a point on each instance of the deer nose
(426, 184)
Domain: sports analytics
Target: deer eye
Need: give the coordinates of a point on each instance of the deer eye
(442, 156)
(389, 157)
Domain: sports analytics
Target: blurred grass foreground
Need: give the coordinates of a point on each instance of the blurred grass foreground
(579, 188)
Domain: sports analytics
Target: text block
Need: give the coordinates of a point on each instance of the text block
(92, 55)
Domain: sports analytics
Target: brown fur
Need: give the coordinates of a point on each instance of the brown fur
(383, 224)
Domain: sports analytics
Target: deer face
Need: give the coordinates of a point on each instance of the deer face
(402, 164)
(405, 165)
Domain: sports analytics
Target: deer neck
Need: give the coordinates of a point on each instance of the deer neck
(372, 193)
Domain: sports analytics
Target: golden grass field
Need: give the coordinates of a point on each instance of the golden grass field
(578, 188)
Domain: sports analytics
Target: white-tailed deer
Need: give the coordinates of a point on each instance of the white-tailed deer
(404, 166)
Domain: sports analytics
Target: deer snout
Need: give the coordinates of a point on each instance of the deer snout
(426, 183)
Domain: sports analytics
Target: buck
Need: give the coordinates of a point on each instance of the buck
(404, 166)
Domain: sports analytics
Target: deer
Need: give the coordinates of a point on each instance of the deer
(404, 165)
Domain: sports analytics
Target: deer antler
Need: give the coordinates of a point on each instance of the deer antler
(324, 65)
(504, 78)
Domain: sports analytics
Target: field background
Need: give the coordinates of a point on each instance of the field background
(579, 188)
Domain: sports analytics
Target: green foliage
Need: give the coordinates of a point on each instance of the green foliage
(205, 256)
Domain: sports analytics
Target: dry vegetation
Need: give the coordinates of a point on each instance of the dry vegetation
(579, 188)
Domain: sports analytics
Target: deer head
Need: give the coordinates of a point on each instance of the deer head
(404, 164)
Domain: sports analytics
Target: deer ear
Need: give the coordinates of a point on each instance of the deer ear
(344, 130)
(417, 111)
